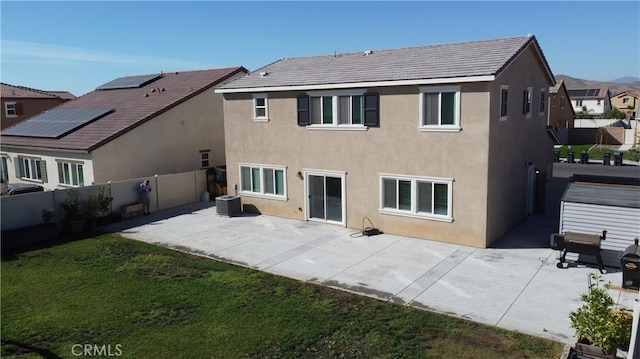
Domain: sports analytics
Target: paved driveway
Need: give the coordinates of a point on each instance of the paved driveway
(514, 285)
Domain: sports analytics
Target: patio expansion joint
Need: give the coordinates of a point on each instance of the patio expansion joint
(433, 275)
(542, 264)
(282, 257)
(361, 261)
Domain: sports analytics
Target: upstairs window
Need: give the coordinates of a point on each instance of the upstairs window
(527, 102)
(543, 101)
(339, 110)
(440, 108)
(260, 108)
(10, 109)
(504, 92)
(578, 103)
(71, 174)
(562, 102)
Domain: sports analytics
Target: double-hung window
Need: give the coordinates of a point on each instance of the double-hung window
(10, 109)
(440, 108)
(504, 92)
(204, 158)
(31, 168)
(421, 197)
(345, 110)
(337, 110)
(263, 180)
(260, 108)
(543, 101)
(71, 173)
(527, 102)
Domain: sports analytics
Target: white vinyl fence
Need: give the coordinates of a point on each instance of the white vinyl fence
(168, 191)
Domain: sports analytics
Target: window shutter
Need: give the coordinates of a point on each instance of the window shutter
(43, 170)
(371, 110)
(19, 109)
(18, 163)
(303, 111)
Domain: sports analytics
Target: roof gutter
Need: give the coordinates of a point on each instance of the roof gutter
(351, 85)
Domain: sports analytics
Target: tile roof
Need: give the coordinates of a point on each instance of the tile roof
(132, 106)
(13, 91)
(457, 60)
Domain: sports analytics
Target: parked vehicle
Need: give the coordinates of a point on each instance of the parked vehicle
(21, 188)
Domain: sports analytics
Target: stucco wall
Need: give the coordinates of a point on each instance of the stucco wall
(168, 143)
(515, 143)
(396, 147)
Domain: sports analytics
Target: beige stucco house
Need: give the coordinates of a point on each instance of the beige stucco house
(130, 127)
(446, 142)
(561, 113)
(626, 102)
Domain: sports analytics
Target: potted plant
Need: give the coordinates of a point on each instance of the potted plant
(600, 328)
(104, 203)
(73, 222)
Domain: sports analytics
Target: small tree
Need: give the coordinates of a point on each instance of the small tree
(616, 113)
(584, 113)
(71, 205)
(104, 199)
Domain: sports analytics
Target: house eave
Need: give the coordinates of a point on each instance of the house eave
(366, 84)
(18, 148)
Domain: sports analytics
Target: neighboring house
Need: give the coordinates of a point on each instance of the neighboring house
(444, 142)
(561, 113)
(20, 103)
(626, 102)
(596, 102)
(130, 127)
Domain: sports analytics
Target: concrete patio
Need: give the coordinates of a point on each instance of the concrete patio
(513, 285)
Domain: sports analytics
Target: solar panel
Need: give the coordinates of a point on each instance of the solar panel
(56, 123)
(129, 82)
(577, 93)
(593, 92)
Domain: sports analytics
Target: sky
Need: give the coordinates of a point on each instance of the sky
(77, 46)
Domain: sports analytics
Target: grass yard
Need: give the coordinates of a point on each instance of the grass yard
(134, 300)
(597, 152)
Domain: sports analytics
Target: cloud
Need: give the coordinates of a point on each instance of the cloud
(20, 51)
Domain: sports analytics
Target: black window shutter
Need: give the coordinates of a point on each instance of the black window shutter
(303, 111)
(371, 110)
(524, 102)
(18, 163)
(43, 171)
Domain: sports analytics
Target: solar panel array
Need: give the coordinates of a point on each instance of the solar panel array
(129, 82)
(584, 93)
(56, 123)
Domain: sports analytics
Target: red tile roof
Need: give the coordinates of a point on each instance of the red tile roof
(13, 91)
(133, 106)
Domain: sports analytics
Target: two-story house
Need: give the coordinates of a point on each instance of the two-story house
(590, 103)
(20, 102)
(444, 142)
(130, 127)
(561, 113)
(626, 102)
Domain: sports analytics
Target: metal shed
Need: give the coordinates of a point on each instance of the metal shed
(592, 204)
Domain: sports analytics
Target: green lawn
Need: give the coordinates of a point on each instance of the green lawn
(596, 152)
(143, 301)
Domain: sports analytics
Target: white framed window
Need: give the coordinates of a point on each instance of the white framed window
(337, 109)
(504, 92)
(10, 109)
(71, 173)
(527, 102)
(440, 108)
(263, 180)
(31, 169)
(420, 197)
(5, 169)
(625, 100)
(579, 103)
(260, 108)
(562, 99)
(204, 159)
(543, 101)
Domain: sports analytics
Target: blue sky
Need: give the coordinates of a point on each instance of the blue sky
(79, 45)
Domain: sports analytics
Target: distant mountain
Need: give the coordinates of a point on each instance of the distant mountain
(626, 80)
(614, 86)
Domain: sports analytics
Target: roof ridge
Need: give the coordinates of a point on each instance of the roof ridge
(42, 92)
